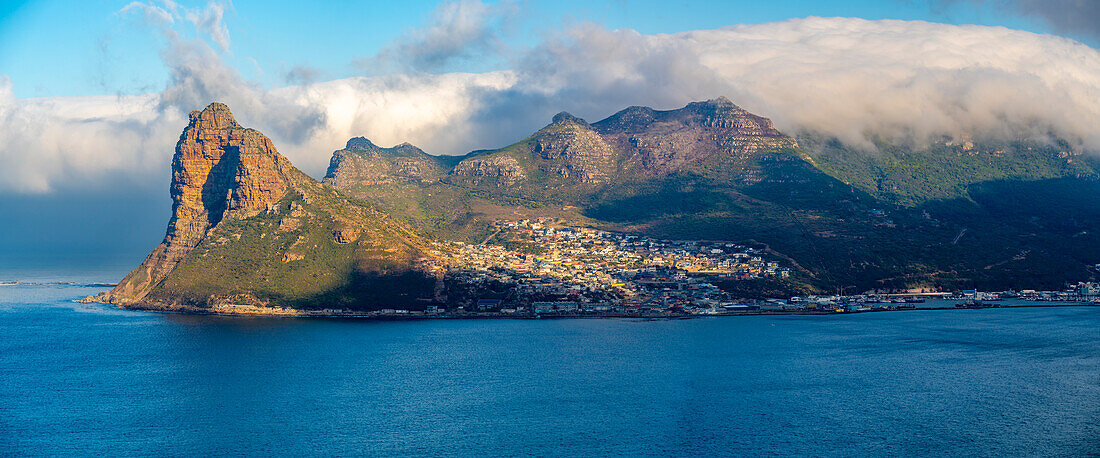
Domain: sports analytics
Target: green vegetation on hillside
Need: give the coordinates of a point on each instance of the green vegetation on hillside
(910, 176)
(948, 215)
(289, 256)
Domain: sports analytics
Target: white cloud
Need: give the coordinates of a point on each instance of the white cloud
(69, 142)
(48, 143)
(434, 112)
(209, 21)
(851, 78)
(151, 14)
(457, 30)
(909, 80)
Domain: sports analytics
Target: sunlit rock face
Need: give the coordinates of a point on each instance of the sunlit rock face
(504, 170)
(662, 142)
(362, 162)
(573, 149)
(219, 169)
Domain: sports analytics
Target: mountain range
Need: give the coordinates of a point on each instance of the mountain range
(249, 228)
(953, 214)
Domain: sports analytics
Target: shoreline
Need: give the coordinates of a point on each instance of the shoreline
(482, 316)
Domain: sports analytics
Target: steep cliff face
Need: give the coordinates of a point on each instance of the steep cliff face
(219, 168)
(499, 170)
(249, 229)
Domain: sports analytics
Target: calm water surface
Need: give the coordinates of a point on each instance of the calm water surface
(86, 379)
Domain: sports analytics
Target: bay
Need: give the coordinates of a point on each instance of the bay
(86, 379)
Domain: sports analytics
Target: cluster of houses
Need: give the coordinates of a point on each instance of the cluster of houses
(550, 267)
(657, 296)
(545, 267)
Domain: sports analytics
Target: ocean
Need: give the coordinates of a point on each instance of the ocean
(88, 379)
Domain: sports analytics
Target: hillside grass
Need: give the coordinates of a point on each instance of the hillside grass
(248, 256)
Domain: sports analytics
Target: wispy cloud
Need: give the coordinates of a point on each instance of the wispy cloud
(199, 75)
(301, 75)
(153, 14)
(456, 30)
(209, 21)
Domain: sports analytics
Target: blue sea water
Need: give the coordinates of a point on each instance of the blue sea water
(86, 379)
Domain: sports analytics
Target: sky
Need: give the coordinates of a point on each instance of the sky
(63, 48)
(93, 94)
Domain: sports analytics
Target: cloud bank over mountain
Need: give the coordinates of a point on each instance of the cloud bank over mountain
(850, 78)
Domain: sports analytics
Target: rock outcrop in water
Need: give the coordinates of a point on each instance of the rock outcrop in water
(219, 168)
(249, 228)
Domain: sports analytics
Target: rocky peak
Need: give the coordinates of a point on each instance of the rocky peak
(364, 145)
(360, 143)
(566, 118)
(718, 107)
(219, 170)
(630, 117)
(720, 101)
(220, 166)
(571, 149)
(215, 116)
(364, 163)
(724, 114)
(661, 142)
(406, 149)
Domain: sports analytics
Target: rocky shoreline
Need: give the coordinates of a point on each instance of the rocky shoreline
(250, 311)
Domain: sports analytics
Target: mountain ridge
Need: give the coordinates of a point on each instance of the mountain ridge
(250, 233)
(711, 170)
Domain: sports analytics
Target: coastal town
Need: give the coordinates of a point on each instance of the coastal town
(542, 266)
(547, 268)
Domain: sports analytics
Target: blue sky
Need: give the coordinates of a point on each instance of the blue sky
(60, 48)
